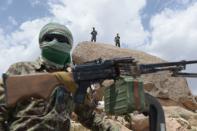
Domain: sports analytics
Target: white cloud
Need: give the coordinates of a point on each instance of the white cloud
(108, 16)
(20, 45)
(174, 34)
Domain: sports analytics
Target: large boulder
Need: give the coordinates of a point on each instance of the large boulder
(162, 84)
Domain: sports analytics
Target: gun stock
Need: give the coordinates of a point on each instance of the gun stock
(22, 87)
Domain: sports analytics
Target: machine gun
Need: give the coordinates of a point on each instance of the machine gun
(41, 85)
(98, 70)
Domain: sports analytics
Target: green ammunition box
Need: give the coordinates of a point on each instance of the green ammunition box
(124, 96)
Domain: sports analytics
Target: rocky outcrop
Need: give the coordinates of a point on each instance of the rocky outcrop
(163, 85)
(180, 119)
(177, 119)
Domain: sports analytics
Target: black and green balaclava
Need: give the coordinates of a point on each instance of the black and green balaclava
(56, 43)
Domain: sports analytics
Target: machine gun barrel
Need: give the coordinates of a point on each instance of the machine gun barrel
(171, 66)
(180, 63)
(183, 74)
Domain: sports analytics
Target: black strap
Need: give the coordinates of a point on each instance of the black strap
(156, 114)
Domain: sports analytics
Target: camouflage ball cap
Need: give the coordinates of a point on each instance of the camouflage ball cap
(56, 43)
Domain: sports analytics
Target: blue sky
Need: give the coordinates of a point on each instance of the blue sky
(13, 12)
(165, 28)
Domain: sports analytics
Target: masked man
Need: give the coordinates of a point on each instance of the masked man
(34, 114)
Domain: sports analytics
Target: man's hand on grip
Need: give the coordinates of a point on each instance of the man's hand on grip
(66, 78)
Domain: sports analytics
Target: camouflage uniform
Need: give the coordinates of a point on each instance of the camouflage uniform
(38, 115)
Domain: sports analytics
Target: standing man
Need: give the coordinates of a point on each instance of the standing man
(117, 40)
(93, 33)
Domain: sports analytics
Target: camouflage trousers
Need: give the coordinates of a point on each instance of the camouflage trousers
(56, 116)
(39, 116)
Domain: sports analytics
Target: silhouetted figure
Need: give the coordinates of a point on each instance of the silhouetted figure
(93, 33)
(117, 40)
